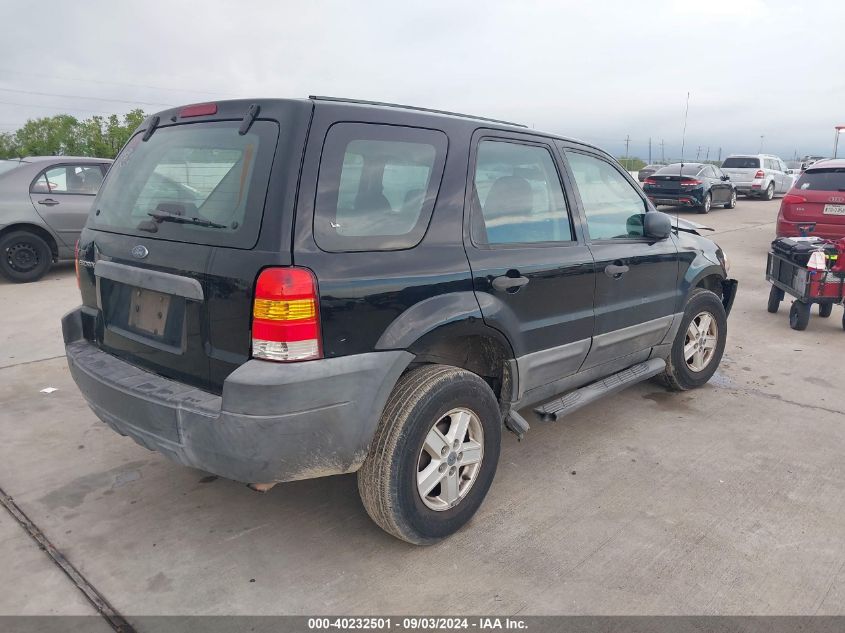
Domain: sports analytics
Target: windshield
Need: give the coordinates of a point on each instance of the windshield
(207, 176)
(741, 162)
(822, 180)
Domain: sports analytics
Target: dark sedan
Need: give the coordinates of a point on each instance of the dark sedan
(695, 185)
(648, 170)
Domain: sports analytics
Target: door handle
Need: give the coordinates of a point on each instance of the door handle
(615, 270)
(509, 284)
(49, 202)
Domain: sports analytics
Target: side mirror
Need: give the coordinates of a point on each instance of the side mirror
(657, 225)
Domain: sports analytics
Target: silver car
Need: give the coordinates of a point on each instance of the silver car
(44, 203)
(758, 175)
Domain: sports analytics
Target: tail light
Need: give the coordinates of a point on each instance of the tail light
(649, 181)
(690, 182)
(793, 198)
(76, 263)
(285, 318)
(760, 174)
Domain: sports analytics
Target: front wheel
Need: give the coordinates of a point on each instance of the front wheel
(24, 257)
(799, 315)
(705, 205)
(434, 454)
(775, 297)
(825, 310)
(731, 204)
(699, 344)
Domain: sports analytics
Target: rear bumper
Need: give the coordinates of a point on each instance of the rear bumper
(274, 422)
(686, 199)
(785, 228)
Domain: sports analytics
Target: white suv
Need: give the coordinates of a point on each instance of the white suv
(758, 175)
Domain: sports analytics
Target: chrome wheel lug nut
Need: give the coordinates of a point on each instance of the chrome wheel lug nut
(441, 468)
(452, 470)
(444, 451)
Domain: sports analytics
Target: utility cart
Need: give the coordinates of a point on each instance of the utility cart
(807, 285)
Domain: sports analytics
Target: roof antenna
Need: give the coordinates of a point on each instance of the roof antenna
(683, 145)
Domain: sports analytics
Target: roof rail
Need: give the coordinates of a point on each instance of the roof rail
(417, 108)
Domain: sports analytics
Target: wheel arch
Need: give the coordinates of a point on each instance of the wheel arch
(40, 231)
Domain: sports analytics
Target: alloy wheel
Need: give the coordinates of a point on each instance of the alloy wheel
(450, 459)
(700, 343)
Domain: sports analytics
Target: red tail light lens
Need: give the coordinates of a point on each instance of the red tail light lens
(76, 263)
(690, 182)
(649, 181)
(792, 198)
(760, 174)
(200, 109)
(285, 316)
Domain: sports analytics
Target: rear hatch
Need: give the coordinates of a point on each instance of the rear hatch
(179, 232)
(741, 169)
(818, 196)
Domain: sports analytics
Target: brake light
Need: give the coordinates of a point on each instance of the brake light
(792, 198)
(285, 316)
(760, 174)
(199, 109)
(76, 263)
(690, 182)
(649, 181)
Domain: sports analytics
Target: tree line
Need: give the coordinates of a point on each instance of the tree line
(65, 135)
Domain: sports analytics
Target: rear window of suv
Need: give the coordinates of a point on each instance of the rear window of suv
(377, 186)
(822, 180)
(202, 183)
(741, 162)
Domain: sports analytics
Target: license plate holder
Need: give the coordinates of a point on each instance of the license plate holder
(834, 209)
(148, 311)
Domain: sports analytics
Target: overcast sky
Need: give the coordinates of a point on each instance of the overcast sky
(590, 69)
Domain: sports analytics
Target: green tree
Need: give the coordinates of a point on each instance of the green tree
(64, 135)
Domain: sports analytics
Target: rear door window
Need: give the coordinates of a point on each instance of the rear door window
(377, 186)
(73, 179)
(822, 180)
(202, 183)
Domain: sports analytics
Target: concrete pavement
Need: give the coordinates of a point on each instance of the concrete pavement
(726, 500)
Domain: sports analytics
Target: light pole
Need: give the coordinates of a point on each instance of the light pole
(761, 143)
(838, 129)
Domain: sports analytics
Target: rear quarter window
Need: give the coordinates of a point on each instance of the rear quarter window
(377, 186)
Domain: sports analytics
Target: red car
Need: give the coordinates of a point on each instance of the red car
(816, 203)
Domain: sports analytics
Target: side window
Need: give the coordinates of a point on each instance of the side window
(709, 171)
(377, 186)
(518, 193)
(78, 179)
(614, 209)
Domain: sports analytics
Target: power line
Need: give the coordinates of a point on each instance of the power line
(53, 107)
(53, 94)
(113, 83)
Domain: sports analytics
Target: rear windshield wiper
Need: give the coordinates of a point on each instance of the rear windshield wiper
(160, 216)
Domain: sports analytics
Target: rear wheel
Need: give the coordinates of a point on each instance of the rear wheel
(775, 297)
(731, 204)
(825, 310)
(434, 454)
(799, 315)
(705, 205)
(770, 191)
(699, 344)
(24, 256)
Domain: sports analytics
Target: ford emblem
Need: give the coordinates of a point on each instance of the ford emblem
(140, 251)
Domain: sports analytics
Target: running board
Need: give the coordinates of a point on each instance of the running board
(559, 407)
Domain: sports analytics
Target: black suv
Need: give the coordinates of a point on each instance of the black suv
(275, 290)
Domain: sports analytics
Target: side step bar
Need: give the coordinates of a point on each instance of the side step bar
(559, 407)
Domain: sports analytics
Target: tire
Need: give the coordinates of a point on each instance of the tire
(24, 257)
(799, 315)
(732, 203)
(825, 310)
(679, 375)
(770, 192)
(705, 206)
(775, 297)
(387, 481)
